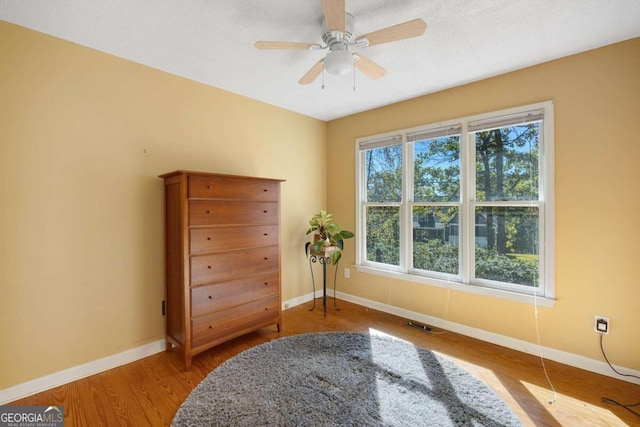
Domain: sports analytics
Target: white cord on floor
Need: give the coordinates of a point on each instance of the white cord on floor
(544, 367)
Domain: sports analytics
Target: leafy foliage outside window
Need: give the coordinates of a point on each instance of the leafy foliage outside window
(434, 255)
(435, 239)
(383, 234)
(384, 174)
(384, 191)
(507, 163)
(494, 266)
(437, 170)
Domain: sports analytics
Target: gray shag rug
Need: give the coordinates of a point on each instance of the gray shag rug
(341, 379)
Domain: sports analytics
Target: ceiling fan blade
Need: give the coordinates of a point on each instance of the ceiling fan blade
(370, 68)
(312, 73)
(334, 14)
(286, 45)
(409, 29)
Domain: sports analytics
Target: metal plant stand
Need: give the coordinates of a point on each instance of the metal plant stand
(323, 258)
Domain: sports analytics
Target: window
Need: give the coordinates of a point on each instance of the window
(467, 202)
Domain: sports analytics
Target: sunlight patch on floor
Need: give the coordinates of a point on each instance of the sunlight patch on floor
(598, 416)
(409, 367)
(373, 332)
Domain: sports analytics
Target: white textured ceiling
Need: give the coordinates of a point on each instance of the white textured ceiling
(211, 41)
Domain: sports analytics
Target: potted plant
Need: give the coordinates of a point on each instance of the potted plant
(328, 236)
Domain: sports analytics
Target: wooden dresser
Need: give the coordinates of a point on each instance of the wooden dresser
(222, 262)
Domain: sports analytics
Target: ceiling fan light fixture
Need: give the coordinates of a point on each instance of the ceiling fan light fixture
(338, 36)
(338, 62)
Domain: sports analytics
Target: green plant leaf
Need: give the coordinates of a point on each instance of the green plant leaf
(346, 234)
(321, 223)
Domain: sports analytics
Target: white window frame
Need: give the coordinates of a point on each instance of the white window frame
(543, 295)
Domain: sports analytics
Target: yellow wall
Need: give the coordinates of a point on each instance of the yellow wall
(597, 159)
(83, 137)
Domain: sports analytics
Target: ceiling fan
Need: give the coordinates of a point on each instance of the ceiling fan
(339, 38)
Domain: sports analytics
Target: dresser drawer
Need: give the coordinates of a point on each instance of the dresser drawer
(212, 212)
(232, 265)
(213, 239)
(202, 187)
(216, 327)
(220, 296)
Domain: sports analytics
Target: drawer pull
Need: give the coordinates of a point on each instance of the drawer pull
(208, 211)
(266, 259)
(265, 190)
(265, 211)
(266, 309)
(208, 187)
(210, 326)
(208, 238)
(209, 267)
(210, 297)
(266, 234)
(266, 283)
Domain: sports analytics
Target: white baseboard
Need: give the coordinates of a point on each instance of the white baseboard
(81, 371)
(305, 298)
(564, 357)
(296, 301)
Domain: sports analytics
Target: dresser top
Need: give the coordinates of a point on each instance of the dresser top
(215, 175)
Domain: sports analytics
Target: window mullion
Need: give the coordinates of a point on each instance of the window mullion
(467, 182)
(542, 256)
(361, 199)
(406, 207)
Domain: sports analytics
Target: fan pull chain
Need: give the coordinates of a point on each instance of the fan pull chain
(322, 76)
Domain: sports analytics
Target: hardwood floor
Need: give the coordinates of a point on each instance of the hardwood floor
(148, 392)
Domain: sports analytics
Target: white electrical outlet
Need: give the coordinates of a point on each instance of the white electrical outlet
(347, 273)
(602, 325)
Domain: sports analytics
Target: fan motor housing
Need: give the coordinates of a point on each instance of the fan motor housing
(331, 38)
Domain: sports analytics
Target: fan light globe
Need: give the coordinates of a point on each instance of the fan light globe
(338, 62)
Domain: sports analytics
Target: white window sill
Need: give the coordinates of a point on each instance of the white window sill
(473, 289)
